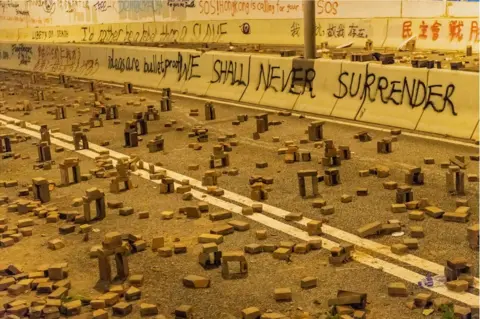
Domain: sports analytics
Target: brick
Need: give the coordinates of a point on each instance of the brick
(210, 238)
(434, 212)
(122, 309)
(6, 282)
(416, 215)
(194, 281)
(133, 293)
(282, 253)
(251, 313)
(184, 311)
(100, 314)
(369, 229)
(253, 249)
(416, 232)
(220, 215)
(110, 298)
(283, 294)
(390, 185)
(346, 198)
(397, 289)
(308, 282)
(165, 252)
(399, 208)
(71, 308)
(399, 249)
(411, 243)
(239, 225)
(457, 285)
(16, 289)
(261, 234)
(148, 309)
(422, 299)
(55, 244)
(327, 210)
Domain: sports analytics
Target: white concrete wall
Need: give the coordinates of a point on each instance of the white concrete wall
(436, 101)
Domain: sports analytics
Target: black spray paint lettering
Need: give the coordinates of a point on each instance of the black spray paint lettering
(416, 91)
(170, 34)
(123, 64)
(229, 69)
(181, 4)
(209, 33)
(23, 52)
(88, 34)
(184, 67)
(148, 35)
(295, 76)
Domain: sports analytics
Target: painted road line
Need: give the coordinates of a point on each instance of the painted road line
(409, 259)
(384, 266)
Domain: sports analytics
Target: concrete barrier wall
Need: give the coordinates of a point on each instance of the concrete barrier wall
(437, 101)
(441, 33)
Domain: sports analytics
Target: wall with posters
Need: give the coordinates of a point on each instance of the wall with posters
(436, 101)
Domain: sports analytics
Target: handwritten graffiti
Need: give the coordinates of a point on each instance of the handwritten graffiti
(23, 53)
(101, 6)
(22, 12)
(181, 4)
(414, 92)
(339, 31)
(219, 7)
(169, 33)
(49, 34)
(295, 29)
(8, 4)
(184, 67)
(453, 30)
(65, 60)
(115, 34)
(328, 7)
(48, 6)
(210, 32)
(293, 77)
(138, 6)
(4, 55)
(229, 69)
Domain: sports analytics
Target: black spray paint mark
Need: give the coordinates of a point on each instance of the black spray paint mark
(296, 76)
(23, 52)
(123, 64)
(184, 67)
(416, 91)
(229, 69)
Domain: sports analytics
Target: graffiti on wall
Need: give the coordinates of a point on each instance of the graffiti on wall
(23, 53)
(123, 33)
(333, 30)
(64, 60)
(411, 91)
(180, 4)
(267, 76)
(454, 30)
(184, 65)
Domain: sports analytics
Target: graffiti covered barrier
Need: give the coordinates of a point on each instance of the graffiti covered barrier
(430, 100)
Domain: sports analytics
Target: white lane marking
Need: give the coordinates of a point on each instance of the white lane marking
(327, 229)
(387, 267)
